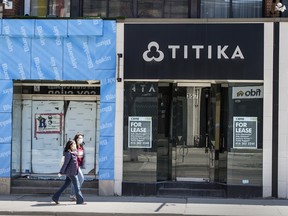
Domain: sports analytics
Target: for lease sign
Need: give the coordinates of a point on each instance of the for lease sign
(245, 132)
(140, 132)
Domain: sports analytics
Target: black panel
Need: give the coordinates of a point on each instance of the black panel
(193, 51)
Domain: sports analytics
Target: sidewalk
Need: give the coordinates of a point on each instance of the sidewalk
(148, 206)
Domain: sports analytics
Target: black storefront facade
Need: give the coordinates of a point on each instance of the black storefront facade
(194, 109)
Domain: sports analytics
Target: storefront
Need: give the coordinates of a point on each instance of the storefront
(194, 107)
(57, 79)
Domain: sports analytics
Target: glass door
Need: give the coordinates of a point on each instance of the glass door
(192, 132)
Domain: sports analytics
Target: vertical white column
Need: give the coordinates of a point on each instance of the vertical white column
(118, 166)
(27, 5)
(283, 113)
(267, 109)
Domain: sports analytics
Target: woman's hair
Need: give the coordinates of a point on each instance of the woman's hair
(77, 136)
(68, 145)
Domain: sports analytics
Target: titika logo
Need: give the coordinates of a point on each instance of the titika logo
(153, 53)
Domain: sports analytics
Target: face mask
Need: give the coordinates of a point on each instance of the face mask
(80, 141)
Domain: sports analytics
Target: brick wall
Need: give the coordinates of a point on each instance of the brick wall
(269, 8)
(15, 11)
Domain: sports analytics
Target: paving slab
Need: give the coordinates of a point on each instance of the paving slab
(145, 206)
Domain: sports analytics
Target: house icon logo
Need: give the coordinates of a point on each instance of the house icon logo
(240, 93)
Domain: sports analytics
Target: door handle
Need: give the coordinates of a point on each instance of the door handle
(206, 143)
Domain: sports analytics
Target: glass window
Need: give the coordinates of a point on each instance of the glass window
(43, 8)
(59, 8)
(239, 9)
(139, 162)
(176, 9)
(95, 8)
(150, 8)
(38, 8)
(246, 8)
(214, 9)
(285, 13)
(245, 150)
(121, 8)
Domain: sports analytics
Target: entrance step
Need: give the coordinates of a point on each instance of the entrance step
(191, 189)
(48, 186)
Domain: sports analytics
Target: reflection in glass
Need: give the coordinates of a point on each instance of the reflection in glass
(38, 8)
(176, 9)
(246, 8)
(95, 8)
(59, 8)
(215, 9)
(150, 8)
(139, 164)
(122, 8)
(222, 9)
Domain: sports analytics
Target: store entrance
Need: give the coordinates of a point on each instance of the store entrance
(47, 115)
(56, 122)
(192, 134)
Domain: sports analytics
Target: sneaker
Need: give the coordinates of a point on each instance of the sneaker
(73, 198)
(84, 203)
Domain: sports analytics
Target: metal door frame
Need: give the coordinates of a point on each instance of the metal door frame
(209, 148)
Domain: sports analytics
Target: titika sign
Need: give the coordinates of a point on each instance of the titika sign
(193, 51)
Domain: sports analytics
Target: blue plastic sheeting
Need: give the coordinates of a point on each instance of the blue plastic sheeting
(106, 159)
(108, 89)
(105, 46)
(107, 119)
(5, 128)
(53, 28)
(82, 27)
(106, 174)
(59, 50)
(15, 58)
(18, 27)
(46, 59)
(5, 158)
(6, 95)
(78, 58)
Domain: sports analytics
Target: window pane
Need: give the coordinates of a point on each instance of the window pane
(150, 8)
(176, 9)
(140, 164)
(247, 8)
(59, 8)
(38, 8)
(214, 9)
(121, 8)
(94, 8)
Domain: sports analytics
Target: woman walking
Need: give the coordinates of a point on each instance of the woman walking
(79, 139)
(70, 169)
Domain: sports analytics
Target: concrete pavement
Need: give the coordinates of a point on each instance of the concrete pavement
(146, 206)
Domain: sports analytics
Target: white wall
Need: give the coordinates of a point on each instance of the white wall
(118, 163)
(267, 109)
(283, 113)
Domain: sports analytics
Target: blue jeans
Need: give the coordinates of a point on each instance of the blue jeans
(75, 182)
(80, 179)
